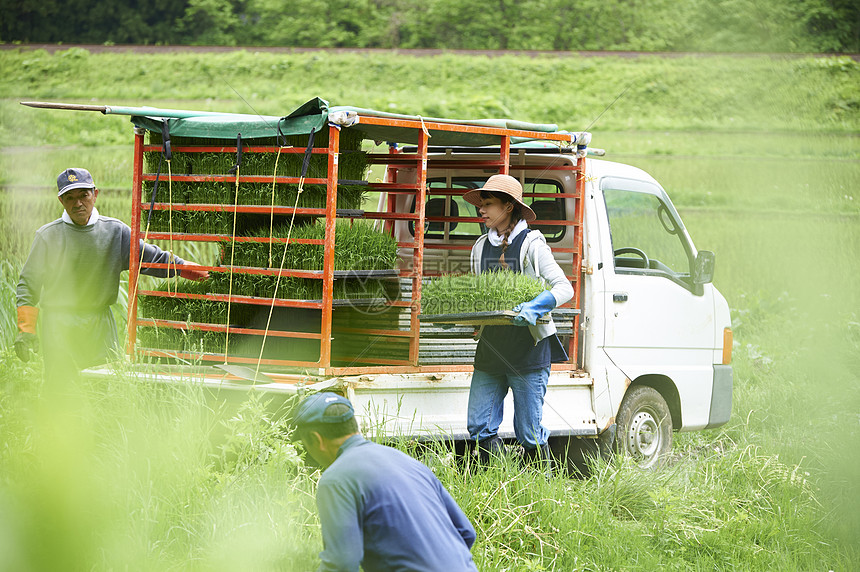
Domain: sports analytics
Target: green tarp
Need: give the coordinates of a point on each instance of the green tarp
(212, 125)
(314, 114)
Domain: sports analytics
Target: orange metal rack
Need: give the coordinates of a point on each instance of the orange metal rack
(394, 161)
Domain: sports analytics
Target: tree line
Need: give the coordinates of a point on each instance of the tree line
(640, 25)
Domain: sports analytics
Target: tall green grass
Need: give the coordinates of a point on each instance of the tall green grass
(737, 93)
(8, 313)
(169, 477)
(119, 474)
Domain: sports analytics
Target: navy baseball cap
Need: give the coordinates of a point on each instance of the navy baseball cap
(74, 178)
(312, 409)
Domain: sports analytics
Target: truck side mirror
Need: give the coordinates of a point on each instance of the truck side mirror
(704, 271)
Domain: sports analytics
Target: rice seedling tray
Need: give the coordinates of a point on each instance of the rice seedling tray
(489, 318)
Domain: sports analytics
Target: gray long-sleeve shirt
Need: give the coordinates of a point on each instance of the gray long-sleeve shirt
(74, 268)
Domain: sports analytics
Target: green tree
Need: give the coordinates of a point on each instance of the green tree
(91, 22)
(670, 25)
(210, 22)
(304, 23)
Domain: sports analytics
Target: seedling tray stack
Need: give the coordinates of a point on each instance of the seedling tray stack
(329, 263)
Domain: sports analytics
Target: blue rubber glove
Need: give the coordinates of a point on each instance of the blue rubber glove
(529, 312)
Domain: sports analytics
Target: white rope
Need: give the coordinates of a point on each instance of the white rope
(272, 212)
(232, 253)
(424, 127)
(278, 280)
(170, 256)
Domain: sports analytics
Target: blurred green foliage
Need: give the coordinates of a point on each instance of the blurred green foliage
(661, 25)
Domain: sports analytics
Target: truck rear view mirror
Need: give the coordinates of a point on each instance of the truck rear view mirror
(704, 272)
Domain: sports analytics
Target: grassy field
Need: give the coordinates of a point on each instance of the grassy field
(762, 158)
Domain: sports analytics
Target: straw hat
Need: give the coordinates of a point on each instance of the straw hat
(502, 184)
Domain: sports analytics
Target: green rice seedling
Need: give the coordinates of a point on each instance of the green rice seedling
(199, 222)
(261, 164)
(488, 291)
(209, 192)
(164, 221)
(195, 222)
(358, 246)
(181, 340)
(353, 165)
(350, 196)
(163, 193)
(258, 164)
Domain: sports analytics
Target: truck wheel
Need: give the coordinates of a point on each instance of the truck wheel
(644, 427)
(573, 453)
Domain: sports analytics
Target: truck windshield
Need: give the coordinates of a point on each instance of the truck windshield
(644, 234)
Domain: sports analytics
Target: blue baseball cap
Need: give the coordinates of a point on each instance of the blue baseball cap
(74, 178)
(312, 409)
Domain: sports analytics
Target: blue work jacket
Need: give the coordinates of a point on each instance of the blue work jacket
(383, 510)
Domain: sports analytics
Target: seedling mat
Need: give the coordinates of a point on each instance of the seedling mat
(494, 318)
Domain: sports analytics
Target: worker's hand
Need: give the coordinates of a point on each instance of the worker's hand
(529, 312)
(190, 273)
(25, 342)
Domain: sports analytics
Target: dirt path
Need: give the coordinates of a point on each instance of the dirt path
(99, 48)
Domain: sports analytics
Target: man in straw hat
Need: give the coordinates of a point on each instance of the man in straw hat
(379, 508)
(515, 357)
(73, 273)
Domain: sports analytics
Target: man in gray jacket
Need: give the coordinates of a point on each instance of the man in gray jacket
(73, 274)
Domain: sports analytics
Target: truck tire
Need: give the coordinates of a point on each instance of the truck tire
(644, 427)
(573, 454)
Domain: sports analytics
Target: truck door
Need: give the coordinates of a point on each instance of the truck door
(656, 320)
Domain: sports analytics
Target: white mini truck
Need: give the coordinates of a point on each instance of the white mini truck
(648, 335)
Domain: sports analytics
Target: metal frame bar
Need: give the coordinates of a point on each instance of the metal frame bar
(134, 254)
(229, 149)
(223, 328)
(190, 237)
(314, 274)
(578, 215)
(252, 300)
(418, 251)
(328, 261)
(242, 179)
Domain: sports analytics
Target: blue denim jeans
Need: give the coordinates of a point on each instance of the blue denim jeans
(486, 405)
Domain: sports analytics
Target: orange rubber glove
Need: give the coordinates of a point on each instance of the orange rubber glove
(26, 339)
(27, 316)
